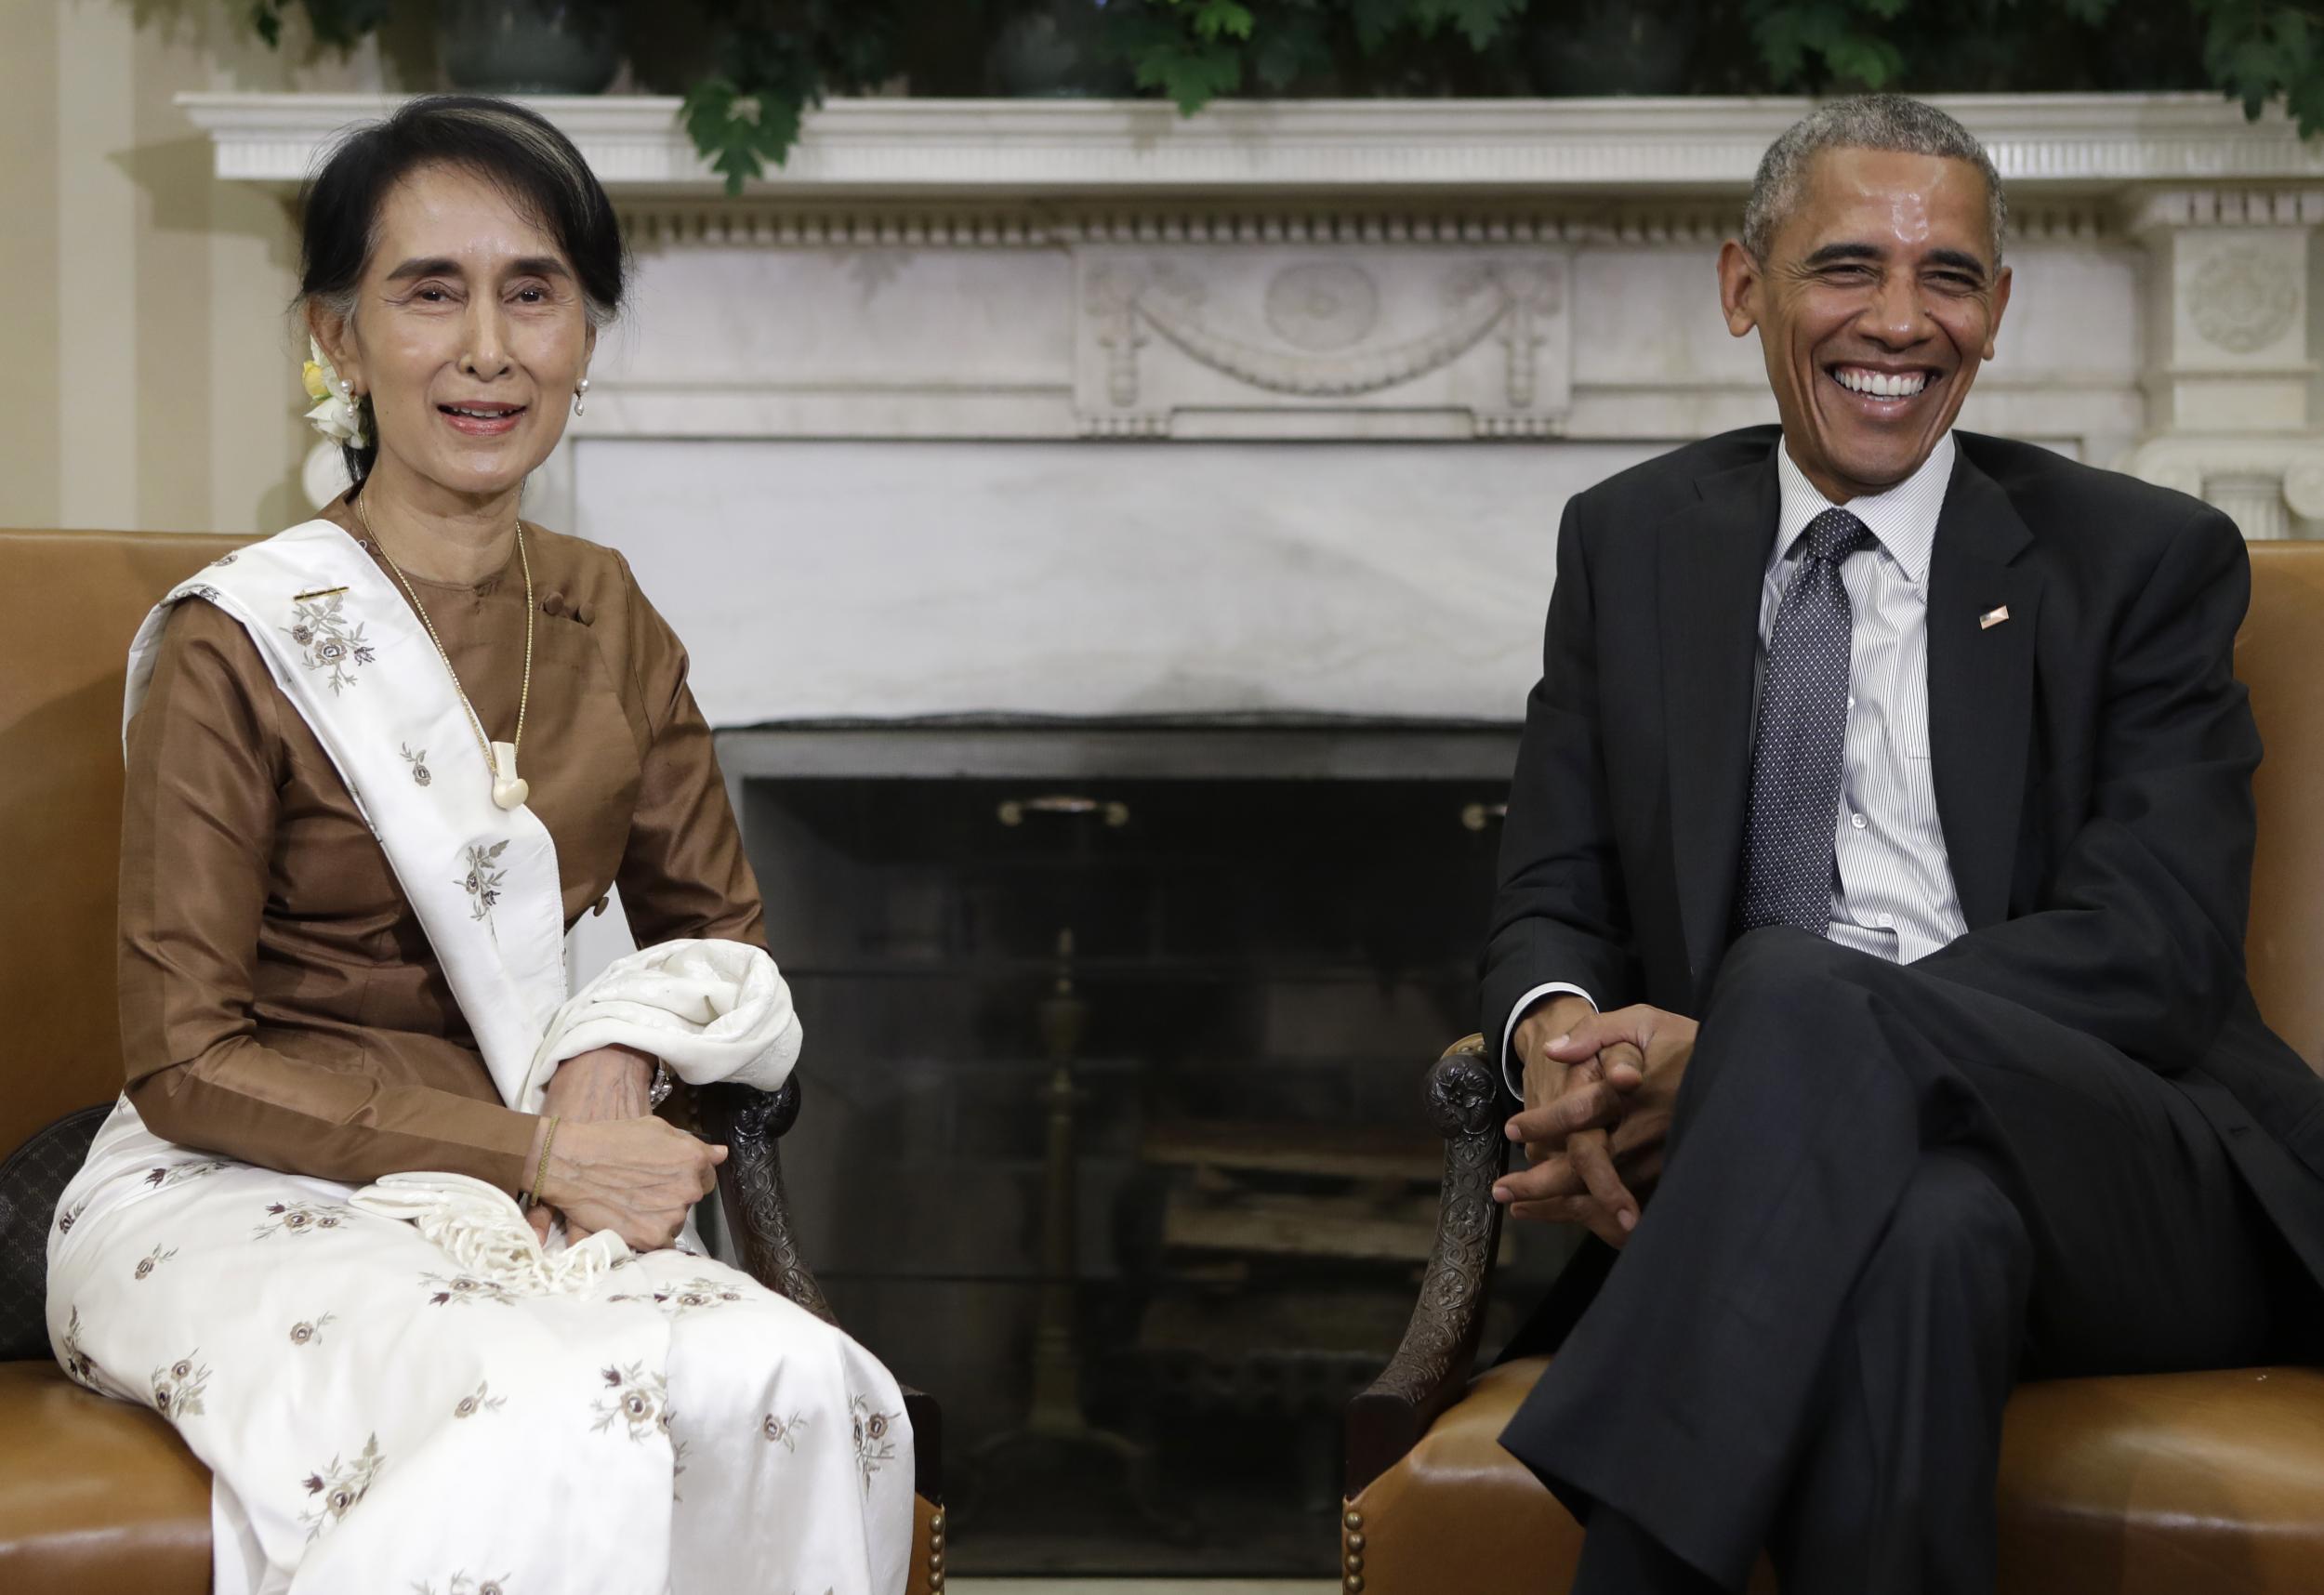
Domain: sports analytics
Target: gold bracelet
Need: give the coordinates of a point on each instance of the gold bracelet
(548, 1138)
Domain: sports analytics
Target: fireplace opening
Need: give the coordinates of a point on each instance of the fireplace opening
(1111, 1136)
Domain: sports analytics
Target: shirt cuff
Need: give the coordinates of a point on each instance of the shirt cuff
(1516, 1079)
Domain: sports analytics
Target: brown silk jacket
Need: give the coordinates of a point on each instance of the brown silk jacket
(280, 1003)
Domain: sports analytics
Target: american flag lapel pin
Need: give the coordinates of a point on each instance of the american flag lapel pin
(1992, 617)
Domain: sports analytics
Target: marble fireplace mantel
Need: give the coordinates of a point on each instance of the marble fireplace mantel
(1087, 408)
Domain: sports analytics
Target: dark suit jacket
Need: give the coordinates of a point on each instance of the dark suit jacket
(2091, 757)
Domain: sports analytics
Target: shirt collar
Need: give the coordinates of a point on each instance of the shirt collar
(1904, 517)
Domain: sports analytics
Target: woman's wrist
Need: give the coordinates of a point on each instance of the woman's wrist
(529, 1171)
(557, 1174)
(640, 1062)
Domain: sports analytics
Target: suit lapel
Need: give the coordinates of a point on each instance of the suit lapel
(1712, 561)
(1980, 685)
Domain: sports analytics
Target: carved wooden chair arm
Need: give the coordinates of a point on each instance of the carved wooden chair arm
(1467, 1103)
(758, 1209)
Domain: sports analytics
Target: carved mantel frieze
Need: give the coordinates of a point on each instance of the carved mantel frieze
(1393, 341)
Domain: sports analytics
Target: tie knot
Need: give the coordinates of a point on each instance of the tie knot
(1835, 534)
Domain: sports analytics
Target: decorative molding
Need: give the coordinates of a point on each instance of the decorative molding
(2261, 483)
(2242, 299)
(1387, 334)
(2228, 207)
(1169, 300)
(1322, 306)
(763, 222)
(900, 147)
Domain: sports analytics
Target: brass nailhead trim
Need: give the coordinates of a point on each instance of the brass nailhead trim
(1356, 1584)
(1355, 1564)
(1355, 1542)
(1354, 1520)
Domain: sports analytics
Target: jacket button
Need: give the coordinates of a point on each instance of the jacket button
(602, 902)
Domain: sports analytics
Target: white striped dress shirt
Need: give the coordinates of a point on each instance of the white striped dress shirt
(1892, 893)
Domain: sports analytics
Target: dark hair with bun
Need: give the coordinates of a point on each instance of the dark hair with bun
(516, 149)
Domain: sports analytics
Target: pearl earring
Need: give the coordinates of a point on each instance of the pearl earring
(580, 389)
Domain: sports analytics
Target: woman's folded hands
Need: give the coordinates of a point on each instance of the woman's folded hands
(613, 1164)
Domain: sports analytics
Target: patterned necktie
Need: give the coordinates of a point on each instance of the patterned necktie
(1802, 718)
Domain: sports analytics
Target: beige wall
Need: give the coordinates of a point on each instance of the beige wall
(149, 376)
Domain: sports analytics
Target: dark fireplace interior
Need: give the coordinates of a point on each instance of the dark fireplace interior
(1111, 1136)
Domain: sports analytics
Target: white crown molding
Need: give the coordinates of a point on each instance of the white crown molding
(902, 148)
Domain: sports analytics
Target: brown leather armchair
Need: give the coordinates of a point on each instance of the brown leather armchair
(99, 1495)
(2166, 1484)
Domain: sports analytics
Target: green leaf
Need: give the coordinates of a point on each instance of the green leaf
(1192, 76)
(738, 133)
(1479, 21)
(1214, 19)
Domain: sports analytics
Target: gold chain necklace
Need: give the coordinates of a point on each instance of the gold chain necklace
(509, 790)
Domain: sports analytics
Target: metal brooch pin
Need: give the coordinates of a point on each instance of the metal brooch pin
(319, 592)
(1992, 618)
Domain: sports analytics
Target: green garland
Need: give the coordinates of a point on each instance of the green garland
(773, 61)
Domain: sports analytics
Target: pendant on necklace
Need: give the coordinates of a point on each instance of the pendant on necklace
(509, 790)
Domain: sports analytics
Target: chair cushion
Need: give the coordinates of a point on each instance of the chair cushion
(2165, 1484)
(1459, 1512)
(96, 1496)
(101, 1497)
(2156, 1485)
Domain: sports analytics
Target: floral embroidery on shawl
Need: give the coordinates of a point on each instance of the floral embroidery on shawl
(483, 882)
(153, 1259)
(301, 1218)
(695, 1295)
(337, 1488)
(634, 1398)
(465, 1289)
(462, 1584)
(784, 1432)
(163, 1175)
(177, 1387)
(421, 774)
(79, 1366)
(875, 1438)
(327, 641)
(482, 1401)
(309, 1331)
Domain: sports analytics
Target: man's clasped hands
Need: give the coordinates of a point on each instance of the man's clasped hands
(1600, 1088)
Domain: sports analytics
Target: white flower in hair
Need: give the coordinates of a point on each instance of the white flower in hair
(336, 416)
